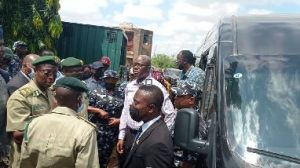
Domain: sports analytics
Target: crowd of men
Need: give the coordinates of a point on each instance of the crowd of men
(64, 113)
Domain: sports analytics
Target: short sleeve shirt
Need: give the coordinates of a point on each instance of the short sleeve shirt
(92, 84)
(70, 141)
(25, 102)
(194, 75)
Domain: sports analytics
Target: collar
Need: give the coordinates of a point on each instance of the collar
(189, 70)
(146, 125)
(64, 111)
(25, 76)
(184, 74)
(145, 81)
(58, 76)
(35, 89)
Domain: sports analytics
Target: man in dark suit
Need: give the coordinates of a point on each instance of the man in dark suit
(4, 74)
(24, 75)
(153, 146)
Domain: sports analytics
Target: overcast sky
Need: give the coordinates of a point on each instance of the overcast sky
(177, 24)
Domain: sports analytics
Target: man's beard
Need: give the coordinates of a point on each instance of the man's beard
(180, 66)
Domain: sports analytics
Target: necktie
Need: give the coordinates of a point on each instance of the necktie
(138, 135)
(136, 140)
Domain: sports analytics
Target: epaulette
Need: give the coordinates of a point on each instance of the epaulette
(26, 91)
(87, 121)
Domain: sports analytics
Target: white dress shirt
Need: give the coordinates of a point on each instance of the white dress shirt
(25, 76)
(131, 88)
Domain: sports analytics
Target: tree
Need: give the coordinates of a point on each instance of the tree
(163, 61)
(35, 22)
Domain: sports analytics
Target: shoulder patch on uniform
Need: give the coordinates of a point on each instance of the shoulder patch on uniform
(81, 118)
(26, 91)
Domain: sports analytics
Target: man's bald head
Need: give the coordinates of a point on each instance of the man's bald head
(27, 63)
(141, 67)
(28, 59)
(145, 59)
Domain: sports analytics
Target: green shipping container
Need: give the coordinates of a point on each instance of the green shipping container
(89, 43)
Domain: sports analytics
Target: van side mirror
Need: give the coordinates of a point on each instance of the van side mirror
(186, 132)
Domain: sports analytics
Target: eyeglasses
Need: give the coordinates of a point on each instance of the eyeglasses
(47, 72)
(140, 65)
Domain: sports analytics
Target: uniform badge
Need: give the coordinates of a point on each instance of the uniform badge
(56, 59)
(26, 91)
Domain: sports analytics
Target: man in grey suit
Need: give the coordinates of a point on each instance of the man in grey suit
(24, 75)
(4, 140)
(153, 146)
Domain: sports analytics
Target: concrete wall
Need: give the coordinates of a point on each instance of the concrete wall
(139, 43)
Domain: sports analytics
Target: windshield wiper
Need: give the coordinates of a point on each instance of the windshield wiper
(274, 155)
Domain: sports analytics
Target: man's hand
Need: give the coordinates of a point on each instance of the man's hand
(101, 113)
(113, 122)
(120, 146)
(18, 136)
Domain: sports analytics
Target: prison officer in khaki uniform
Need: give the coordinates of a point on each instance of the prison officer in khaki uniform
(30, 100)
(73, 67)
(61, 139)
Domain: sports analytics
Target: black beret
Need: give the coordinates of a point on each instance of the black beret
(71, 83)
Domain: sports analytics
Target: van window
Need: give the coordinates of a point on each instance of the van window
(263, 104)
(268, 38)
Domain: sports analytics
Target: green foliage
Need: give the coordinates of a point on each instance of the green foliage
(163, 61)
(35, 22)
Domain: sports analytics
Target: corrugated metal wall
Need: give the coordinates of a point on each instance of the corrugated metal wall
(90, 43)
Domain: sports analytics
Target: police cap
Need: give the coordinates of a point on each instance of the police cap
(110, 74)
(18, 44)
(185, 88)
(96, 65)
(105, 60)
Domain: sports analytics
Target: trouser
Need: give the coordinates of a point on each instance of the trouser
(15, 155)
(129, 139)
(114, 159)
